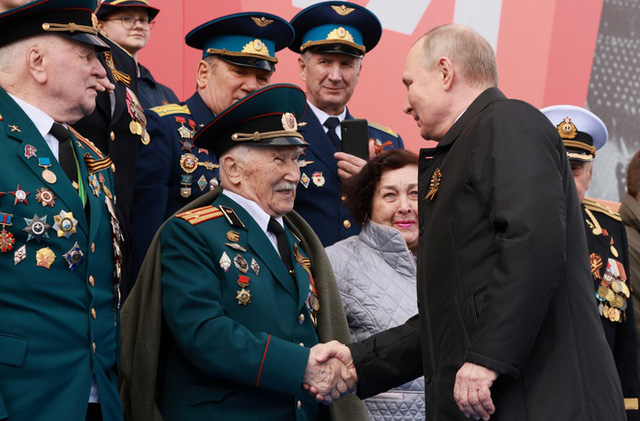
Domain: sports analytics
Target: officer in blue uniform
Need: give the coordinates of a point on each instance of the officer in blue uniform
(59, 252)
(238, 58)
(332, 38)
(583, 133)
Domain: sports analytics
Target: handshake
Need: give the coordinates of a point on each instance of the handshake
(330, 372)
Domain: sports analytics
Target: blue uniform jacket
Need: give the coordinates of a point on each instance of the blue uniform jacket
(226, 360)
(319, 195)
(59, 327)
(170, 171)
(152, 93)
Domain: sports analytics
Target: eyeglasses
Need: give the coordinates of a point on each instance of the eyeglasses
(128, 22)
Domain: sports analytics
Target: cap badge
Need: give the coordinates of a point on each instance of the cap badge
(261, 21)
(289, 122)
(256, 47)
(567, 129)
(340, 34)
(343, 10)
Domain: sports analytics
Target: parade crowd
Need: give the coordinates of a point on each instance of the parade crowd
(230, 257)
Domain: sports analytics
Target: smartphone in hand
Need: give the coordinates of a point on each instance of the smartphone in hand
(355, 137)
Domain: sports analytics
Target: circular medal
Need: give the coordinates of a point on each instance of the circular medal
(188, 163)
(135, 128)
(49, 176)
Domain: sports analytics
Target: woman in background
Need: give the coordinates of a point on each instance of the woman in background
(376, 270)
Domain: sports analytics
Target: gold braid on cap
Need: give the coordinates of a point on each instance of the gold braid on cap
(225, 52)
(580, 145)
(257, 136)
(68, 27)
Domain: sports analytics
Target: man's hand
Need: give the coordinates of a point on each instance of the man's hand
(105, 85)
(327, 377)
(349, 165)
(472, 391)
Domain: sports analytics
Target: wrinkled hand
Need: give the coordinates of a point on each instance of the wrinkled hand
(350, 165)
(330, 373)
(472, 391)
(104, 85)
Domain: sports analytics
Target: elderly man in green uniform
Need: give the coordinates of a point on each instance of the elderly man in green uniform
(583, 133)
(238, 57)
(59, 251)
(245, 290)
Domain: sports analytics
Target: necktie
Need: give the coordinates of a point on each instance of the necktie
(331, 123)
(283, 244)
(66, 156)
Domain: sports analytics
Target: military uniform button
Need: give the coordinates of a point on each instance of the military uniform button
(112, 136)
(299, 405)
(113, 167)
(346, 223)
(301, 319)
(344, 197)
(93, 313)
(93, 247)
(92, 282)
(94, 347)
(301, 344)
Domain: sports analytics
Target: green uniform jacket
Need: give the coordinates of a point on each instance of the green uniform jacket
(148, 346)
(58, 326)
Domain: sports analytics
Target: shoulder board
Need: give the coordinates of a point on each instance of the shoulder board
(169, 109)
(231, 216)
(383, 129)
(87, 142)
(199, 215)
(594, 206)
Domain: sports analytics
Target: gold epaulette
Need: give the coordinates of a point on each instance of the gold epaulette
(169, 109)
(383, 129)
(199, 215)
(594, 206)
(87, 143)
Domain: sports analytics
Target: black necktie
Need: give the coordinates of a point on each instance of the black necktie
(283, 243)
(66, 156)
(331, 123)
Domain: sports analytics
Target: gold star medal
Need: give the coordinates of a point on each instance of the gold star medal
(244, 295)
(65, 224)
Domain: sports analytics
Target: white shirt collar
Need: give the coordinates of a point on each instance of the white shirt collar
(253, 209)
(322, 116)
(39, 118)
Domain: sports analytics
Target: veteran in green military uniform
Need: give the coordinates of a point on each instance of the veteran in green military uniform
(59, 238)
(242, 299)
(583, 133)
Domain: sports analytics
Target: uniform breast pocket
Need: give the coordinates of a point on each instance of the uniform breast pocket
(13, 349)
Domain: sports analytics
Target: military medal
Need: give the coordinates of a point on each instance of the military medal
(36, 228)
(244, 295)
(188, 162)
(138, 124)
(65, 224)
(45, 257)
(185, 181)
(202, 182)
(313, 304)
(186, 145)
(6, 238)
(596, 264)
(236, 246)
(225, 262)
(305, 180)
(303, 163)
(48, 175)
(255, 266)
(317, 178)
(74, 257)
(241, 263)
(213, 183)
(30, 151)
(20, 254)
(45, 197)
(233, 236)
(434, 184)
(20, 196)
(94, 184)
(184, 131)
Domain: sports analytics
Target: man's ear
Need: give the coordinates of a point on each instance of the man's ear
(302, 69)
(233, 169)
(36, 64)
(202, 73)
(446, 71)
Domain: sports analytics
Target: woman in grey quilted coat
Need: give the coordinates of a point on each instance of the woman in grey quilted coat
(376, 270)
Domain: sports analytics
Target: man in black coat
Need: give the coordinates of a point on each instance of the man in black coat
(507, 323)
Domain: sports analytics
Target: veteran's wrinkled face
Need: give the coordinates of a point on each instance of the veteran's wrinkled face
(270, 177)
(221, 83)
(71, 73)
(128, 28)
(395, 203)
(330, 79)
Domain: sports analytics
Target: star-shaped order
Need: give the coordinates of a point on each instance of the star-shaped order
(65, 224)
(20, 195)
(37, 227)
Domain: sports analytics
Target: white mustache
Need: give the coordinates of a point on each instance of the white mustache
(285, 185)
